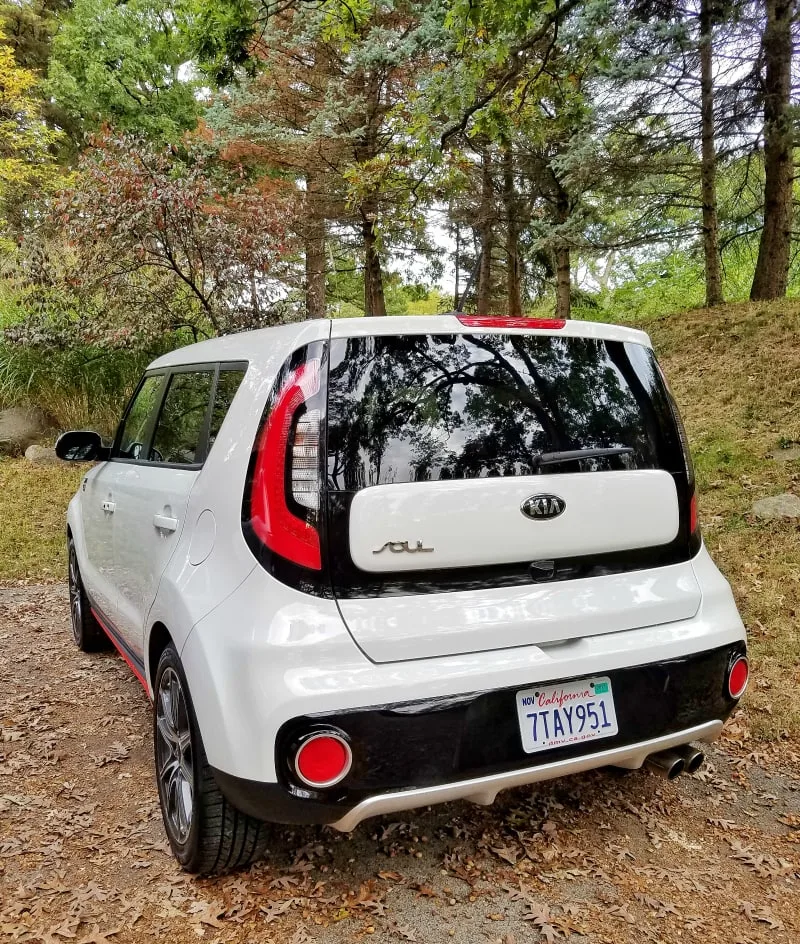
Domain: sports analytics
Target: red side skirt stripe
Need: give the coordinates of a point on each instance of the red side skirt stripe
(112, 636)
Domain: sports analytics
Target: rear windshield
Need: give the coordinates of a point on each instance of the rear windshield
(432, 407)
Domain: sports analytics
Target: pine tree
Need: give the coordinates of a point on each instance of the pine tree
(772, 268)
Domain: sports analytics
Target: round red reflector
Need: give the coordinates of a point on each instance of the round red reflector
(323, 760)
(737, 677)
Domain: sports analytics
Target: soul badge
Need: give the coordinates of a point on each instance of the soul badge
(403, 547)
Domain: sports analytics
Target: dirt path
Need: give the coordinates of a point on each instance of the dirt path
(598, 858)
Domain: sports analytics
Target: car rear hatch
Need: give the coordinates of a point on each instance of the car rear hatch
(490, 486)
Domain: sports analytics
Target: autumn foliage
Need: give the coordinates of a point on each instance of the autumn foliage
(185, 242)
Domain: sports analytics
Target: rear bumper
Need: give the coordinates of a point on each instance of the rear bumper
(269, 655)
(269, 801)
(483, 790)
(469, 747)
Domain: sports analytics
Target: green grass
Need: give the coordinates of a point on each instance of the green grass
(34, 507)
(735, 372)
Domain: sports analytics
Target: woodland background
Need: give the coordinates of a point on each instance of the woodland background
(170, 171)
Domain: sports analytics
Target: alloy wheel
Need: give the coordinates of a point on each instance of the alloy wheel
(174, 756)
(75, 601)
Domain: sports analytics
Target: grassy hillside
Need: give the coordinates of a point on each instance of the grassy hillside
(736, 374)
(33, 505)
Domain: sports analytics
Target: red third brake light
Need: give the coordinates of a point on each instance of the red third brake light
(273, 522)
(486, 321)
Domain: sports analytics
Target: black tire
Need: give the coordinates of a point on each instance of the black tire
(86, 631)
(211, 836)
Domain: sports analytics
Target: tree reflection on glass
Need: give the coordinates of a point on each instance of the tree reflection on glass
(429, 407)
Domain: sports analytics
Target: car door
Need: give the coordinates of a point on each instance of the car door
(152, 492)
(97, 567)
(99, 495)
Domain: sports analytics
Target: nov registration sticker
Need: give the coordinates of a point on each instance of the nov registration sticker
(572, 713)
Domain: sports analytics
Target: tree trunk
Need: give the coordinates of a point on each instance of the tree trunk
(374, 302)
(367, 147)
(513, 294)
(562, 254)
(485, 233)
(457, 287)
(708, 161)
(314, 237)
(254, 300)
(772, 268)
(563, 282)
(603, 277)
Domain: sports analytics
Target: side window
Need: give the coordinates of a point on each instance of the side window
(179, 430)
(134, 432)
(227, 385)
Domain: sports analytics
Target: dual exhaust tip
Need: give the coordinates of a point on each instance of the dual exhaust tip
(680, 760)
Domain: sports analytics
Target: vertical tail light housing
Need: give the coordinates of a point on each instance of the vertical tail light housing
(304, 468)
(282, 509)
(692, 520)
(691, 485)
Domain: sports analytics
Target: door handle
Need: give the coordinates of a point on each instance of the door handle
(165, 523)
(109, 507)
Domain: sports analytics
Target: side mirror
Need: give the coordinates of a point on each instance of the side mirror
(81, 445)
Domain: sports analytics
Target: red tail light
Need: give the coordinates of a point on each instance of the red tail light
(323, 760)
(485, 321)
(693, 520)
(281, 472)
(738, 675)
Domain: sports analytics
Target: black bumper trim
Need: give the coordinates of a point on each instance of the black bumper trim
(452, 739)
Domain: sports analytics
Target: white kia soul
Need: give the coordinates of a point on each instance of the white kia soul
(366, 565)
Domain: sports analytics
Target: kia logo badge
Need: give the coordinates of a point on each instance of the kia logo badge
(540, 507)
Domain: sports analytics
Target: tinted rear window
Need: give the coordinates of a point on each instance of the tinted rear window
(430, 407)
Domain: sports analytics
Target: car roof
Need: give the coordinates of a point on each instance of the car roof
(263, 342)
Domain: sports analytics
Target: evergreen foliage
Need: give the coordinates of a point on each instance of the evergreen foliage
(170, 170)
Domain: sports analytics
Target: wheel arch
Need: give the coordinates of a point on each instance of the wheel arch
(158, 640)
(74, 528)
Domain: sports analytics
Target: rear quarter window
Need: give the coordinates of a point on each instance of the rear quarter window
(432, 407)
(228, 383)
(179, 431)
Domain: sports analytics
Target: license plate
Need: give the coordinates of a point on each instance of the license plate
(573, 713)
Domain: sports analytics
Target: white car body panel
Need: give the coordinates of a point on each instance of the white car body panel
(450, 324)
(258, 653)
(142, 550)
(265, 347)
(268, 654)
(94, 527)
(468, 522)
(436, 624)
(189, 591)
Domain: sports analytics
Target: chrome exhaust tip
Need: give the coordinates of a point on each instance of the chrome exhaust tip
(692, 758)
(669, 764)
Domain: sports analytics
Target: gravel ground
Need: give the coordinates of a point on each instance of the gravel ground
(596, 858)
